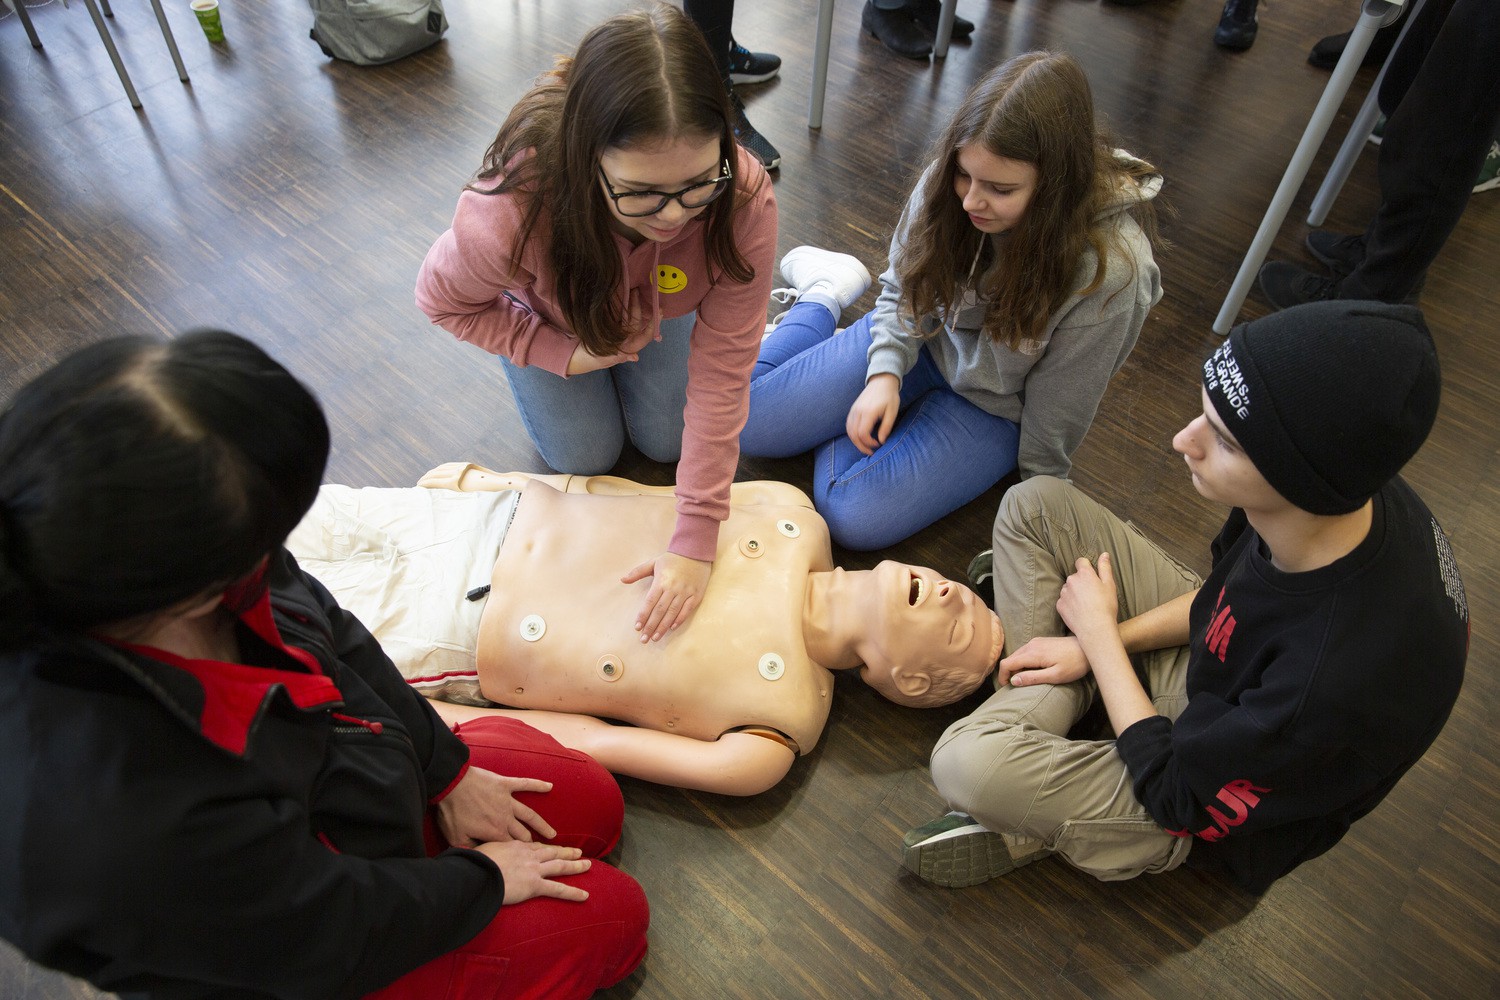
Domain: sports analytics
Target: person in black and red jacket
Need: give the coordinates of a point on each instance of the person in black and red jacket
(212, 780)
(1259, 712)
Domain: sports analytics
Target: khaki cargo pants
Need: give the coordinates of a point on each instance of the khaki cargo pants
(1010, 764)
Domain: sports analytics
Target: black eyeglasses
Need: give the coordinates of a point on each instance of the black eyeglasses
(638, 204)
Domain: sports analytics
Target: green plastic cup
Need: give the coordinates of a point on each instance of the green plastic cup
(208, 17)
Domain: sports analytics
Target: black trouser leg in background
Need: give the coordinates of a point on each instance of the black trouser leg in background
(1442, 99)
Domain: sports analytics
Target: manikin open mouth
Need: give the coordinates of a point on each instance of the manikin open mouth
(914, 596)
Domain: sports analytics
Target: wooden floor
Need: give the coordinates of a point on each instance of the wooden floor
(292, 199)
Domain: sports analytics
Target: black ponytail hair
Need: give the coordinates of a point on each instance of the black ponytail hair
(137, 473)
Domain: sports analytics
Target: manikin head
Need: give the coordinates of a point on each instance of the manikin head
(927, 641)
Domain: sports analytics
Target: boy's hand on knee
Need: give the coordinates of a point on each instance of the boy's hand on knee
(1045, 660)
(1088, 604)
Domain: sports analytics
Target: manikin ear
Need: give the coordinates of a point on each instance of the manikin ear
(912, 682)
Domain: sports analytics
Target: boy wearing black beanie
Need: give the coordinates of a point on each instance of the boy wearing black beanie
(1259, 712)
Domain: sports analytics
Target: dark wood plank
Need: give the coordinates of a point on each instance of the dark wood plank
(292, 199)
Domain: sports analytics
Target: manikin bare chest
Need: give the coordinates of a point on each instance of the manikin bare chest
(558, 633)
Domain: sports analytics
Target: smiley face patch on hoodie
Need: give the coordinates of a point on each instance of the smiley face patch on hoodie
(670, 280)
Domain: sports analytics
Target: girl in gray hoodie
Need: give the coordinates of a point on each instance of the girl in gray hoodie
(1021, 272)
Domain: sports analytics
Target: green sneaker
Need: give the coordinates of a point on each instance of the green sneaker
(981, 574)
(1489, 174)
(954, 851)
(981, 567)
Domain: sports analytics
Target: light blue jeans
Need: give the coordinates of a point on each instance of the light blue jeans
(579, 424)
(943, 452)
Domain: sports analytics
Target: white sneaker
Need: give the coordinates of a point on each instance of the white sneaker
(838, 275)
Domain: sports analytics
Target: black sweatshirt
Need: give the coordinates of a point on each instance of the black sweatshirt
(1310, 694)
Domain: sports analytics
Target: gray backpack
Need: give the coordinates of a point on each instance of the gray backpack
(370, 32)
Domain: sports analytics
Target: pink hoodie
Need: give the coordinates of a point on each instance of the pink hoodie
(467, 287)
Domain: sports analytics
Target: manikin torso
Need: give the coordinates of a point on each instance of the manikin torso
(556, 632)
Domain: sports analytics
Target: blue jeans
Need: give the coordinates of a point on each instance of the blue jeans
(579, 424)
(943, 451)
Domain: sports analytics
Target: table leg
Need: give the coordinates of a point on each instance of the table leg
(20, 6)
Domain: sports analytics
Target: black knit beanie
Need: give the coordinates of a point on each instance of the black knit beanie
(1328, 399)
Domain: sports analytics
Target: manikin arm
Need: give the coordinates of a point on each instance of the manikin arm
(466, 477)
(734, 764)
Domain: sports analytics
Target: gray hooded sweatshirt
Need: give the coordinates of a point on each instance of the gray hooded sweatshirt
(1052, 386)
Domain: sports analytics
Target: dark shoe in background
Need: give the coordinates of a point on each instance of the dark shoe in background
(1285, 285)
(1340, 251)
(897, 30)
(982, 576)
(751, 67)
(927, 13)
(1325, 54)
(1489, 174)
(1342, 254)
(1237, 25)
(748, 137)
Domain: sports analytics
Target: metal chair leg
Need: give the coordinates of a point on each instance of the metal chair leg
(1372, 16)
(20, 6)
(820, 64)
(114, 55)
(1354, 142)
(166, 32)
(944, 29)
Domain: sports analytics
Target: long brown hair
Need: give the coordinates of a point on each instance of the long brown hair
(639, 80)
(1037, 108)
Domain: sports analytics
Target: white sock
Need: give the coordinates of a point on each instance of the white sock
(821, 293)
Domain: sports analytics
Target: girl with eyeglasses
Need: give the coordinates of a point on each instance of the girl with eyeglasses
(1020, 274)
(616, 251)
